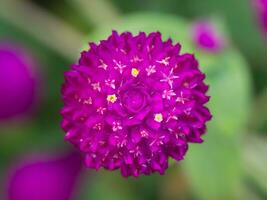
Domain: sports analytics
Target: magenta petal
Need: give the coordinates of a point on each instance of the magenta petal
(151, 123)
(157, 103)
(137, 119)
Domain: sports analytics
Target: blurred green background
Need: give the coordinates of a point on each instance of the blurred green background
(230, 164)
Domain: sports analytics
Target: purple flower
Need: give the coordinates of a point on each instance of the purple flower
(17, 80)
(206, 36)
(132, 102)
(261, 9)
(45, 179)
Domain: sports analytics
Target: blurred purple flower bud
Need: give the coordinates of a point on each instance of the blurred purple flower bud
(18, 81)
(206, 36)
(45, 179)
(261, 9)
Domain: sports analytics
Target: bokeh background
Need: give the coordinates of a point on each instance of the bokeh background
(36, 163)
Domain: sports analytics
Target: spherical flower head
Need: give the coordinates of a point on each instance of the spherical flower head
(45, 178)
(205, 36)
(132, 102)
(17, 80)
(261, 9)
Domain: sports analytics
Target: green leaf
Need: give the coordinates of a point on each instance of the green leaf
(215, 167)
(258, 118)
(230, 90)
(255, 160)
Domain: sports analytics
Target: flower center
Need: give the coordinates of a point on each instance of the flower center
(134, 100)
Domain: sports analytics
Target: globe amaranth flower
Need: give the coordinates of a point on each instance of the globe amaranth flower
(45, 178)
(18, 80)
(261, 9)
(132, 102)
(206, 36)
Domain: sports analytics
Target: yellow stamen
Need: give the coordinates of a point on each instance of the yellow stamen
(111, 98)
(158, 117)
(135, 72)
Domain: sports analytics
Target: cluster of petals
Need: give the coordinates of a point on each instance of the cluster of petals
(133, 102)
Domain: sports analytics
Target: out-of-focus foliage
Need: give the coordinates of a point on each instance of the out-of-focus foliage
(168, 25)
(41, 130)
(231, 162)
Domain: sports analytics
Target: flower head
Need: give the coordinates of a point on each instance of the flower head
(17, 80)
(151, 109)
(45, 178)
(261, 9)
(206, 36)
